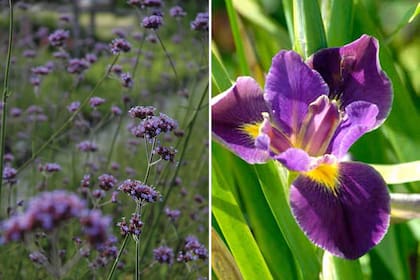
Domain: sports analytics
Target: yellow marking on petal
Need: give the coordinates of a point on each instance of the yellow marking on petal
(326, 175)
(251, 129)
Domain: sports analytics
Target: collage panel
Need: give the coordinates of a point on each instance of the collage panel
(104, 139)
(314, 120)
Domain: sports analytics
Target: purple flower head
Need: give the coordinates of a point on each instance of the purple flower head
(119, 32)
(142, 112)
(201, 22)
(116, 111)
(139, 191)
(152, 22)
(173, 215)
(58, 37)
(29, 53)
(50, 167)
(307, 118)
(9, 175)
(126, 80)
(134, 226)
(152, 3)
(15, 112)
(96, 101)
(73, 107)
(164, 254)
(87, 146)
(77, 66)
(151, 127)
(85, 182)
(46, 211)
(95, 226)
(61, 55)
(38, 258)
(166, 153)
(35, 80)
(120, 45)
(91, 58)
(41, 70)
(107, 182)
(177, 12)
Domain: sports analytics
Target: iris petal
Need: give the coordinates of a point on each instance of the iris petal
(359, 118)
(290, 87)
(349, 223)
(236, 116)
(353, 73)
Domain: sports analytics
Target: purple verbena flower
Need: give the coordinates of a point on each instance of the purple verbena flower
(142, 112)
(134, 226)
(95, 226)
(41, 70)
(45, 211)
(139, 191)
(152, 3)
(173, 215)
(126, 80)
(38, 257)
(164, 254)
(152, 22)
(73, 107)
(120, 45)
(9, 175)
(307, 118)
(116, 111)
(50, 167)
(177, 12)
(29, 53)
(201, 22)
(96, 101)
(77, 66)
(166, 153)
(87, 146)
(58, 37)
(106, 181)
(91, 58)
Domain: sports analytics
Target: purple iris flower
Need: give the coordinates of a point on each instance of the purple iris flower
(307, 117)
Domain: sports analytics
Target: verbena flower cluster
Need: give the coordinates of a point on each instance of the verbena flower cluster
(139, 191)
(49, 210)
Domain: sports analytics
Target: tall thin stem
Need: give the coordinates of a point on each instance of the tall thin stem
(5, 95)
(169, 58)
(114, 265)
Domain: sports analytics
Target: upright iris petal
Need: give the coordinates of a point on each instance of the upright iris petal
(307, 119)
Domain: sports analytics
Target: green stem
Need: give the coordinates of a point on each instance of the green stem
(114, 139)
(5, 95)
(70, 119)
(169, 58)
(114, 265)
(149, 160)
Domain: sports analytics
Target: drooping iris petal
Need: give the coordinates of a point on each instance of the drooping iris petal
(359, 118)
(236, 117)
(290, 87)
(349, 222)
(353, 73)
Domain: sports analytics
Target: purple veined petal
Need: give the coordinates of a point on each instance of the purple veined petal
(290, 87)
(236, 116)
(359, 118)
(351, 221)
(353, 73)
